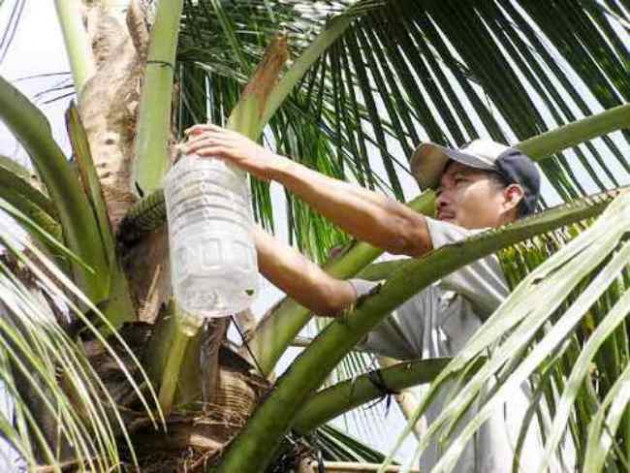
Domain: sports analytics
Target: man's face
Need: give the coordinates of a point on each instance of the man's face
(470, 198)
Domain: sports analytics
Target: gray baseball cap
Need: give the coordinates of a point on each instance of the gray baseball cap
(429, 161)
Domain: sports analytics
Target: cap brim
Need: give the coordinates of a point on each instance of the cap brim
(429, 161)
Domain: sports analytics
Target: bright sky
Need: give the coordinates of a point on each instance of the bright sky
(37, 48)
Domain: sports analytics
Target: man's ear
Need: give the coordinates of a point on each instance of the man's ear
(513, 194)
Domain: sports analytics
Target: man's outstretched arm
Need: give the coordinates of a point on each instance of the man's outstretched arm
(299, 277)
(366, 215)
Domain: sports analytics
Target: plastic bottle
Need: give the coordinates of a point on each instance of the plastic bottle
(213, 259)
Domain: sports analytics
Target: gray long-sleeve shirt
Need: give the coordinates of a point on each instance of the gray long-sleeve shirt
(437, 322)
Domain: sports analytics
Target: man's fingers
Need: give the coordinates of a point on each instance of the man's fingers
(210, 129)
(209, 148)
(196, 129)
(210, 135)
(202, 141)
(194, 140)
(190, 145)
(202, 127)
(220, 134)
(215, 151)
(212, 152)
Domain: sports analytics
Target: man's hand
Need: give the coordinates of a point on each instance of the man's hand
(215, 142)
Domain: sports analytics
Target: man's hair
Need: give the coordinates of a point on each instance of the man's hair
(501, 183)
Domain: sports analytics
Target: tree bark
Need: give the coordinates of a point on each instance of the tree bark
(108, 106)
(109, 101)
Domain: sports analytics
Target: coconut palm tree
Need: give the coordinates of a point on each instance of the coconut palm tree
(366, 81)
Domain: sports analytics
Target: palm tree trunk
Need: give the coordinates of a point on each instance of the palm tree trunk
(109, 102)
(108, 107)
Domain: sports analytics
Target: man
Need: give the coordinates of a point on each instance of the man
(485, 184)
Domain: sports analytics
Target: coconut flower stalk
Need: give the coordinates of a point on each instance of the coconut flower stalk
(78, 45)
(154, 121)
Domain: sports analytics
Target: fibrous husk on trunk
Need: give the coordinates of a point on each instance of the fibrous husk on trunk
(109, 100)
(108, 105)
(198, 432)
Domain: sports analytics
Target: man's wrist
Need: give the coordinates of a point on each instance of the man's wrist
(281, 168)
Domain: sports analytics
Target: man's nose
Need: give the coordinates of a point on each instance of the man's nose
(442, 199)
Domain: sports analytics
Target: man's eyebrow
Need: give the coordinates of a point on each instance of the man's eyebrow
(462, 172)
(459, 172)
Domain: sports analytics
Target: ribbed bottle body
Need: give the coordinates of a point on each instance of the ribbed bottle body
(213, 259)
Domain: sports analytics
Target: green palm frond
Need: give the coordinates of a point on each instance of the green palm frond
(330, 402)
(521, 259)
(76, 219)
(327, 446)
(63, 410)
(339, 446)
(572, 346)
(18, 191)
(274, 415)
(404, 72)
(408, 71)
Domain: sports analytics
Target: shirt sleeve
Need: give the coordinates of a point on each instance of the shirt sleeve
(361, 286)
(392, 337)
(481, 282)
